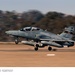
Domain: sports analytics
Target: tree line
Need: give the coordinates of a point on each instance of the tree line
(51, 21)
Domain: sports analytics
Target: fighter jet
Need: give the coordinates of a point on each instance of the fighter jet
(40, 38)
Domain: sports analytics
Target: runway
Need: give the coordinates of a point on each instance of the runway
(12, 55)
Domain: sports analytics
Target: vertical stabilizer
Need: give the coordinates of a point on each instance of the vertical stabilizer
(68, 32)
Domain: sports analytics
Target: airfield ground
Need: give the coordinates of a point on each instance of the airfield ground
(12, 55)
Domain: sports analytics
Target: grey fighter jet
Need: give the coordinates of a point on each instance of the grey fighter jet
(40, 38)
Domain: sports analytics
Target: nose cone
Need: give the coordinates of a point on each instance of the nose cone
(12, 32)
(7, 32)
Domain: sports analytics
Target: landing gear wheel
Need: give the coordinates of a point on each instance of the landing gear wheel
(36, 48)
(16, 41)
(49, 48)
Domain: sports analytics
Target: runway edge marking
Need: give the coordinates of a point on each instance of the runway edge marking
(50, 54)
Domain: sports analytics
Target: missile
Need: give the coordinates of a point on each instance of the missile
(31, 43)
(28, 43)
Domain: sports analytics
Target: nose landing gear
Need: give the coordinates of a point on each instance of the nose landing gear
(16, 40)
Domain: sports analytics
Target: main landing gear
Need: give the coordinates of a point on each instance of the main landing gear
(49, 48)
(36, 47)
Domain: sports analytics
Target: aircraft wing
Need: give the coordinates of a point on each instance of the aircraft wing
(56, 40)
(53, 37)
(51, 43)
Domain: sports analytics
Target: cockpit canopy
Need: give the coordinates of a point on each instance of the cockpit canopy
(30, 29)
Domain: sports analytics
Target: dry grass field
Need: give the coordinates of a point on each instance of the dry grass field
(12, 55)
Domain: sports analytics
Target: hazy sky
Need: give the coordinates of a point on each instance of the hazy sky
(64, 6)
